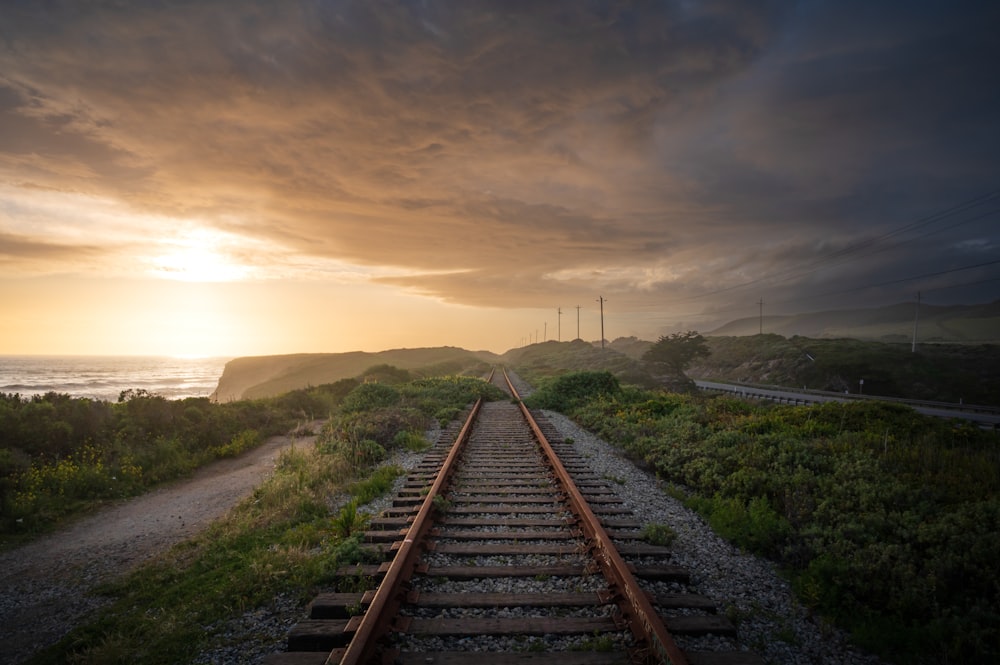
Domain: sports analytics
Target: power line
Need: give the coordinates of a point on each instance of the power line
(875, 249)
(956, 286)
(602, 301)
(810, 267)
(872, 244)
(731, 312)
(900, 281)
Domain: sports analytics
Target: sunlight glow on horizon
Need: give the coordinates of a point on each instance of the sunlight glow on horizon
(159, 317)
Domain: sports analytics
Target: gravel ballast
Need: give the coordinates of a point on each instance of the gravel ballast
(746, 588)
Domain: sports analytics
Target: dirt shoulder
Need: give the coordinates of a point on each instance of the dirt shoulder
(44, 584)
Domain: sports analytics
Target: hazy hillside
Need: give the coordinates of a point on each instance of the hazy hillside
(538, 361)
(633, 347)
(265, 376)
(894, 323)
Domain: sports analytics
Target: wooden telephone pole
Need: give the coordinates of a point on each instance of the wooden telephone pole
(602, 301)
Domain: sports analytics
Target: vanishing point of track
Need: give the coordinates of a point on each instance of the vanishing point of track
(501, 548)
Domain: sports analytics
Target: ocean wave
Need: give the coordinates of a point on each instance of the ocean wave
(105, 378)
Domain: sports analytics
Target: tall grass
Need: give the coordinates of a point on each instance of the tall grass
(282, 539)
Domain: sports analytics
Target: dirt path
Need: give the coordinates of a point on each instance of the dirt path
(44, 584)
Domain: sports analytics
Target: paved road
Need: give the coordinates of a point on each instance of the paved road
(790, 396)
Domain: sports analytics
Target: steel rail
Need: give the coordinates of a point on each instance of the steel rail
(644, 622)
(377, 619)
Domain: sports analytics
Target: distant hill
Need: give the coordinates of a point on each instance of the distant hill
(633, 347)
(546, 359)
(265, 376)
(893, 323)
(938, 371)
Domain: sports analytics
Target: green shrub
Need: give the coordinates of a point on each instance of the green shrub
(886, 521)
(445, 415)
(448, 393)
(379, 425)
(658, 534)
(376, 484)
(349, 521)
(410, 441)
(570, 390)
(756, 526)
(370, 396)
(349, 552)
(240, 443)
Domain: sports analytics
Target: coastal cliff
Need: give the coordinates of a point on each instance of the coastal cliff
(254, 377)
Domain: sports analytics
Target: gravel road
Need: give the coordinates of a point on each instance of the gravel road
(44, 584)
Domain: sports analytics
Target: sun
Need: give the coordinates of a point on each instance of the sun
(200, 255)
(198, 264)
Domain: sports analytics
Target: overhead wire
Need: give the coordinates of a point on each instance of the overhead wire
(870, 244)
(898, 281)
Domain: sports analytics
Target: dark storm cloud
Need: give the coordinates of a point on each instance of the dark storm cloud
(656, 149)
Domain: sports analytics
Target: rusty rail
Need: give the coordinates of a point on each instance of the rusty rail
(377, 620)
(643, 620)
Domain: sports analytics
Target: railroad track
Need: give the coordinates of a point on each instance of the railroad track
(503, 547)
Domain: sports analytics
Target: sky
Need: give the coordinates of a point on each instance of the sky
(222, 177)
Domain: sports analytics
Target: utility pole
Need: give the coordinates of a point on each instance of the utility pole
(916, 317)
(601, 300)
(559, 328)
(761, 303)
(545, 335)
(578, 322)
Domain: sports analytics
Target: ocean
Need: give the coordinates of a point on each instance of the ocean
(105, 377)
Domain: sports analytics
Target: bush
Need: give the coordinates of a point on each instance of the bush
(349, 521)
(410, 441)
(658, 534)
(378, 483)
(448, 394)
(370, 396)
(62, 454)
(755, 526)
(445, 415)
(887, 521)
(242, 442)
(379, 425)
(568, 391)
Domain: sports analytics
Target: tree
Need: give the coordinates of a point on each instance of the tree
(676, 351)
